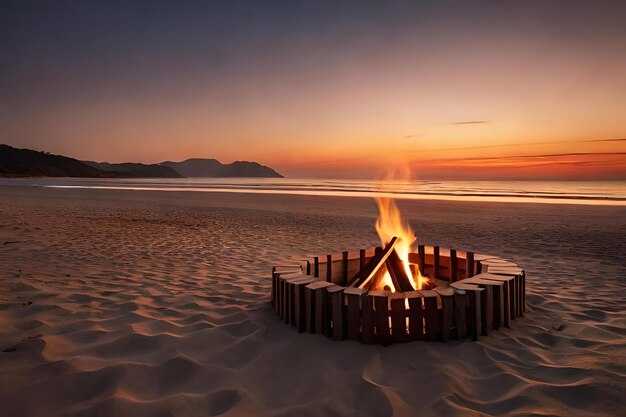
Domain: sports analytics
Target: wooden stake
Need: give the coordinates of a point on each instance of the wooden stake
(316, 266)
(454, 268)
(421, 263)
(344, 271)
(469, 264)
(361, 259)
(436, 262)
(329, 268)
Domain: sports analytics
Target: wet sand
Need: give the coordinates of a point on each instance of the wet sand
(129, 303)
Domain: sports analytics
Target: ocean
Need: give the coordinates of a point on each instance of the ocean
(551, 192)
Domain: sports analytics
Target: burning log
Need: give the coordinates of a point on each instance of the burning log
(367, 273)
(399, 277)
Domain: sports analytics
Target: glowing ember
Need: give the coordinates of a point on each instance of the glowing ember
(388, 225)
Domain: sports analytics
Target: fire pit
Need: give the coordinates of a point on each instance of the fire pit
(394, 294)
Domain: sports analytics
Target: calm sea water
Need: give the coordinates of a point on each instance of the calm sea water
(554, 192)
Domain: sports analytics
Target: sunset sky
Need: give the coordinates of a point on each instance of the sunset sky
(460, 90)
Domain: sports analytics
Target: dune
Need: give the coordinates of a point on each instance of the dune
(127, 303)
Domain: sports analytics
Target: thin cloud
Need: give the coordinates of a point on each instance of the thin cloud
(512, 145)
(470, 122)
(553, 155)
(606, 140)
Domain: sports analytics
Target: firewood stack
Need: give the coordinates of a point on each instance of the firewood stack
(469, 295)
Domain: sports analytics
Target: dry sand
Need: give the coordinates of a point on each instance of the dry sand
(122, 303)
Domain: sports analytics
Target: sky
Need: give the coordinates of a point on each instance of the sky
(451, 89)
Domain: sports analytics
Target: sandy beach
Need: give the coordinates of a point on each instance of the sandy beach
(131, 303)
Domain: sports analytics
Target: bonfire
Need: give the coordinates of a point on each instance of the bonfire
(399, 291)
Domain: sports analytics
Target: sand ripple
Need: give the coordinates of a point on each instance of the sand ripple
(144, 304)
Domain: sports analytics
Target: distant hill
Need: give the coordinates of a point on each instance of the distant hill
(136, 169)
(16, 162)
(198, 167)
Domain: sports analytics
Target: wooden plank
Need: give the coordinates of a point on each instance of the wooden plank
(447, 311)
(400, 279)
(283, 290)
(300, 302)
(314, 294)
(381, 315)
(493, 300)
(431, 315)
(368, 323)
(473, 307)
(398, 317)
(335, 294)
(281, 297)
(416, 315)
(287, 302)
(366, 274)
(354, 297)
(509, 293)
(309, 305)
(454, 269)
(518, 286)
(498, 262)
(460, 306)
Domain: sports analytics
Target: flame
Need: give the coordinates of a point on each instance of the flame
(388, 225)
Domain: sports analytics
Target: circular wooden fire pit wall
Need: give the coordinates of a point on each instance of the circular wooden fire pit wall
(470, 295)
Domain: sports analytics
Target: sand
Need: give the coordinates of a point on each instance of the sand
(122, 303)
